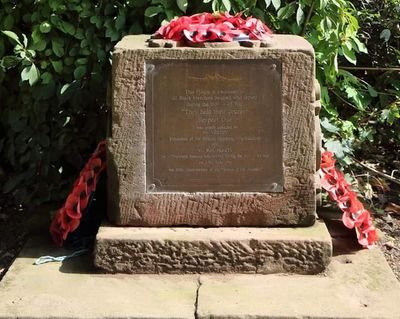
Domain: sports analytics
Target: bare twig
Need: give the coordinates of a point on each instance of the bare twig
(303, 31)
(343, 100)
(392, 179)
(367, 68)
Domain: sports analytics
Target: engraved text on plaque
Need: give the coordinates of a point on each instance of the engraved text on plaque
(214, 126)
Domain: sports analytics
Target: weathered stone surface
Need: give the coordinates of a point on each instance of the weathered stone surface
(130, 203)
(358, 285)
(72, 290)
(204, 250)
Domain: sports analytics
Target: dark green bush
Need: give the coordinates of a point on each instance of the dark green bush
(380, 22)
(55, 71)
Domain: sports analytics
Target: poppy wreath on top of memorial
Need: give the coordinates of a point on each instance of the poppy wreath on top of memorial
(354, 214)
(209, 27)
(67, 218)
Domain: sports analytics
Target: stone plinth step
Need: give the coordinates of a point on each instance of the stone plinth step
(357, 285)
(213, 250)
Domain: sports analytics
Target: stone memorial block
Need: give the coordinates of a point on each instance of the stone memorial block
(215, 136)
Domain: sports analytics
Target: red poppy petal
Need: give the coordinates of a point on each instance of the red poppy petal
(81, 191)
(328, 183)
(347, 220)
(372, 236)
(88, 178)
(355, 205)
(72, 206)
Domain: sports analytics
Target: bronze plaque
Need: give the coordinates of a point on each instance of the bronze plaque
(214, 126)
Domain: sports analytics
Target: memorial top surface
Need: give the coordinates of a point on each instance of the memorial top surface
(278, 42)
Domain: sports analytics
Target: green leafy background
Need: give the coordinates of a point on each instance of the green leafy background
(55, 62)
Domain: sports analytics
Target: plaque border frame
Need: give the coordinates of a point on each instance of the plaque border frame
(275, 186)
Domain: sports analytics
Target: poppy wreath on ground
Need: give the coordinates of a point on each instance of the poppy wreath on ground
(209, 27)
(68, 217)
(354, 214)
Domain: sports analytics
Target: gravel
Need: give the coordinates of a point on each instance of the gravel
(390, 240)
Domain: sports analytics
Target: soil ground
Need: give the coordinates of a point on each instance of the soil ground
(12, 231)
(390, 241)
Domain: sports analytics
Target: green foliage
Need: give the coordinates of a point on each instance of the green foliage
(55, 61)
(366, 101)
(54, 74)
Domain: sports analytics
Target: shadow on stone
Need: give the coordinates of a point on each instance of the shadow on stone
(79, 265)
(344, 240)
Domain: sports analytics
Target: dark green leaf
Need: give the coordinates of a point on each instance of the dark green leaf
(64, 88)
(323, 3)
(81, 61)
(360, 46)
(336, 148)
(182, 5)
(9, 61)
(55, 4)
(120, 22)
(39, 42)
(299, 15)
(152, 11)
(46, 78)
(367, 134)
(45, 27)
(227, 5)
(349, 55)
(372, 91)
(96, 20)
(8, 22)
(287, 11)
(215, 6)
(30, 74)
(12, 36)
(390, 115)
(385, 35)
(80, 72)
(58, 66)
(328, 126)
(58, 48)
(276, 4)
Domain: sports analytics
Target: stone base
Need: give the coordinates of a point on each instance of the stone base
(357, 284)
(213, 250)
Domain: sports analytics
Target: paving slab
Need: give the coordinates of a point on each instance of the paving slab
(304, 250)
(357, 284)
(72, 290)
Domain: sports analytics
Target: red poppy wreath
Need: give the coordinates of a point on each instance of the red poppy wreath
(68, 217)
(339, 190)
(208, 27)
